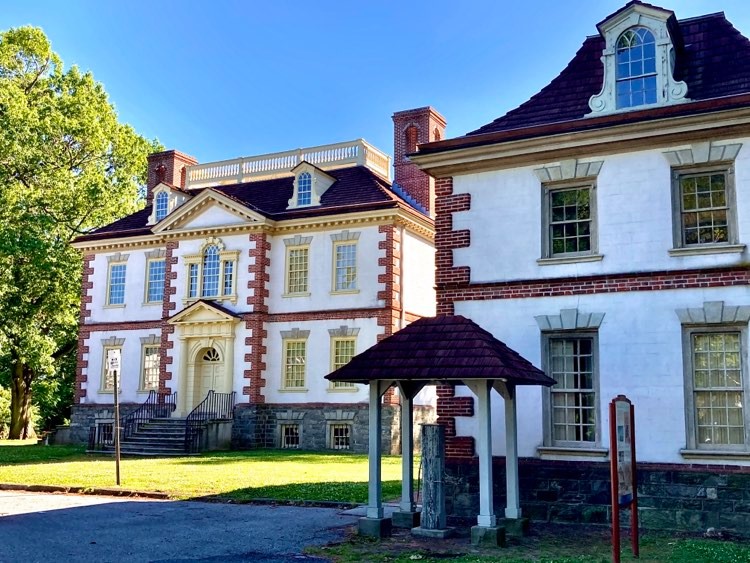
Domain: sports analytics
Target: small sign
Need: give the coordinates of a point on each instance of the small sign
(623, 470)
(113, 360)
(624, 453)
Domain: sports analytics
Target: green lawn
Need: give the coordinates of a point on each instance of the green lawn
(274, 474)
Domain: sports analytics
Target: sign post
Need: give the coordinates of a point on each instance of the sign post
(113, 366)
(623, 470)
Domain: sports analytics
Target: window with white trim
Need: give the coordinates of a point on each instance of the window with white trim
(339, 436)
(342, 351)
(297, 265)
(290, 436)
(211, 274)
(569, 220)
(705, 209)
(294, 363)
(345, 266)
(155, 280)
(636, 68)
(116, 279)
(304, 189)
(150, 368)
(111, 364)
(161, 205)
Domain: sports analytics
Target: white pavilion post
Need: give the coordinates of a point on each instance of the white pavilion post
(486, 517)
(513, 506)
(407, 452)
(374, 501)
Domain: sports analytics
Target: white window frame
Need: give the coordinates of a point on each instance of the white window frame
(342, 386)
(157, 196)
(282, 427)
(113, 261)
(288, 338)
(142, 381)
(335, 276)
(296, 244)
(548, 190)
(147, 294)
(332, 426)
(196, 260)
(111, 343)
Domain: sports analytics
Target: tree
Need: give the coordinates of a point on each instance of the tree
(66, 166)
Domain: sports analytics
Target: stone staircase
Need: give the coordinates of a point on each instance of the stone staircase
(157, 437)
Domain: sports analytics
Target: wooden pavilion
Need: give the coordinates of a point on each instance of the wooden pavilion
(443, 350)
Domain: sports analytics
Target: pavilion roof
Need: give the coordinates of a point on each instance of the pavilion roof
(446, 348)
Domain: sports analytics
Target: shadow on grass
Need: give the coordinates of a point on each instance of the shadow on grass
(273, 456)
(324, 493)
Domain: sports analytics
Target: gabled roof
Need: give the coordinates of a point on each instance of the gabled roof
(715, 64)
(355, 189)
(444, 348)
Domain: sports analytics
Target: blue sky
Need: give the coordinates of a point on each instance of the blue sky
(227, 78)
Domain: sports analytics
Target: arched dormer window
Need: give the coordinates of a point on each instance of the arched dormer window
(162, 205)
(211, 273)
(410, 138)
(636, 68)
(304, 189)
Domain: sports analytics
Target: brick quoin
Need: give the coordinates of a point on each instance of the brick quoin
(448, 408)
(411, 128)
(447, 240)
(390, 315)
(83, 333)
(259, 278)
(168, 167)
(167, 307)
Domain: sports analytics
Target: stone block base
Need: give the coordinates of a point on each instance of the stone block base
(516, 527)
(488, 536)
(375, 527)
(427, 533)
(403, 519)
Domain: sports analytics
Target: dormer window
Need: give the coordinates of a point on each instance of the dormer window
(310, 183)
(304, 189)
(162, 205)
(641, 45)
(636, 68)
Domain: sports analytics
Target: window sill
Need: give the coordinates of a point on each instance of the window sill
(151, 303)
(344, 291)
(714, 454)
(108, 392)
(342, 390)
(570, 259)
(146, 390)
(285, 295)
(547, 451)
(708, 249)
(116, 306)
(295, 390)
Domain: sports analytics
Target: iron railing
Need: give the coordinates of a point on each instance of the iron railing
(216, 406)
(157, 405)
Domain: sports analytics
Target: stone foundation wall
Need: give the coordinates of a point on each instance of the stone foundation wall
(83, 417)
(686, 497)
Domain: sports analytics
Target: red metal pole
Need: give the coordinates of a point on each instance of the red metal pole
(634, 505)
(615, 485)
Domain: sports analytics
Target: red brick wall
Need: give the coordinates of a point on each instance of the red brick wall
(83, 333)
(256, 321)
(446, 240)
(168, 167)
(168, 306)
(429, 126)
(448, 408)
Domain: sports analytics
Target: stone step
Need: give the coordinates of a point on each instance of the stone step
(139, 440)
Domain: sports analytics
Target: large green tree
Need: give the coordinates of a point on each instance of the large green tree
(67, 165)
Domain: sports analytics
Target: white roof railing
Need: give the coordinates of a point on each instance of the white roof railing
(276, 165)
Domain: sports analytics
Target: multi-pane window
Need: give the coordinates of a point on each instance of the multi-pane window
(162, 205)
(339, 436)
(155, 282)
(636, 68)
(304, 189)
(573, 397)
(150, 368)
(290, 436)
(116, 291)
(342, 351)
(718, 389)
(705, 212)
(111, 367)
(570, 221)
(297, 269)
(211, 274)
(345, 267)
(295, 357)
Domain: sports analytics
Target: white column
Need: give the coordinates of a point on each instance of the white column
(407, 452)
(482, 389)
(513, 507)
(374, 502)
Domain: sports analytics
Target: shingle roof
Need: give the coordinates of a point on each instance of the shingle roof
(355, 189)
(715, 63)
(448, 348)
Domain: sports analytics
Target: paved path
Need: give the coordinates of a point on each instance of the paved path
(61, 528)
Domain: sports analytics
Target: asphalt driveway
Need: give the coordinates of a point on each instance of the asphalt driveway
(48, 527)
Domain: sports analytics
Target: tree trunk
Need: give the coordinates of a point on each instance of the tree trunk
(20, 401)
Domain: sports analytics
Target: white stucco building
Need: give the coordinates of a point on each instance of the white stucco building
(601, 230)
(257, 277)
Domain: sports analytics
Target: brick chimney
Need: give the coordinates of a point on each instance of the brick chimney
(411, 128)
(168, 167)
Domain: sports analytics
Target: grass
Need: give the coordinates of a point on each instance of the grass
(273, 474)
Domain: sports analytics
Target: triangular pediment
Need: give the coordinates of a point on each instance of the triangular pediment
(209, 210)
(203, 312)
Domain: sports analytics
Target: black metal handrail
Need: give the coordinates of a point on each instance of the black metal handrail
(216, 406)
(157, 405)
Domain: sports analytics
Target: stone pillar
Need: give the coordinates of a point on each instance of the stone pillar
(433, 521)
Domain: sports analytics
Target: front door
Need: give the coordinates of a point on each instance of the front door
(210, 375)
